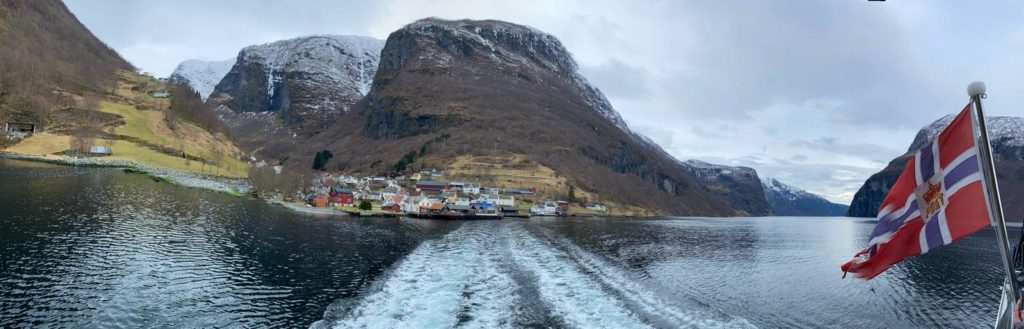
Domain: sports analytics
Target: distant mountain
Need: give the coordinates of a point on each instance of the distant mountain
(202, 76)
(43, 47)
(505, 104)
(787, 200)
(280, 92)
(740, 186)
(1007, 137)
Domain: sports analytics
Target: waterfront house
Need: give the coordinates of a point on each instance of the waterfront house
(341, 196)
(597, 207)
(461, 209)
(548, 208)
(161, 94)
(431, 205)
(509, 210)
(394, 207)
(431, 185)
(320, 202)
(411, 204)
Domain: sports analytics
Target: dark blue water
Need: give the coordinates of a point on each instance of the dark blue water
(84, 247)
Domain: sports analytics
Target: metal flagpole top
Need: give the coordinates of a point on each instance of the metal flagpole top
(976, 88)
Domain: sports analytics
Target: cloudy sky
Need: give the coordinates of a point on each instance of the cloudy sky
(819, 94)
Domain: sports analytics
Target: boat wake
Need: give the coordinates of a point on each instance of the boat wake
(501, 275)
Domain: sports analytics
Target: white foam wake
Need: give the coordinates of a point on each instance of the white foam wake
(454, 281)
(483, 274)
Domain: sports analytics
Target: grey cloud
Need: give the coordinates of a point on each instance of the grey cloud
(618, 79)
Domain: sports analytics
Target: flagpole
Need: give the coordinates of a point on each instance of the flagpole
(977, 91)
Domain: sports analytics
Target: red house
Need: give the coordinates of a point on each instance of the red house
(342, 196)
(430, 185)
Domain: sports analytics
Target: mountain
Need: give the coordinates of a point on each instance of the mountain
(1007, 137)
(80, 93)
(278, 93)
(739, 186)
(44, 50)
(788, 200)
(202, 76)
(505, 104)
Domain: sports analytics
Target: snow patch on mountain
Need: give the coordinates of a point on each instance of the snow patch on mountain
(788, 200)
(787, 192)
(1008, 130)
(202, 76)
(345, 61)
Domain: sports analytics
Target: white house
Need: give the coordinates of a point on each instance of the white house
(470, 188)
(412, 204)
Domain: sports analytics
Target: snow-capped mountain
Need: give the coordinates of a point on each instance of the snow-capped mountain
(787, 200)
(737, 184)
(306, 82)
(202, 76)
(1007, 137)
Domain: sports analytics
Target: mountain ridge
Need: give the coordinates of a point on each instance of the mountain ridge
(788, 200)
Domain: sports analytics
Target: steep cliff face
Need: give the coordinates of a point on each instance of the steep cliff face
(493, 88)
(202, 76)
(306, 83)
(1007, 137)
(787, 200)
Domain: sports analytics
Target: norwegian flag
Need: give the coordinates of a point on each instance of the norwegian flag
(938, 199)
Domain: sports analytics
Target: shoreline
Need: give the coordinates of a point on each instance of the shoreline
(233, 186)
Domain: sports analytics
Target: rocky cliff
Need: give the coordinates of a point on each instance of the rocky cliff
(1007, 137)
(447, 90)
(294, 88)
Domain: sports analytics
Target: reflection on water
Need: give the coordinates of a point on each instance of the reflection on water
(83, 247)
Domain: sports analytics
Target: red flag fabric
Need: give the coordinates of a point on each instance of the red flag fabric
(938, 199)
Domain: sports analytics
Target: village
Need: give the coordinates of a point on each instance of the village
(427, 194)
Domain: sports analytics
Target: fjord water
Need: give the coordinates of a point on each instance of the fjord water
(88, 247)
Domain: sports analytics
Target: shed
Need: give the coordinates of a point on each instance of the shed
(100, 150)
(21, 127)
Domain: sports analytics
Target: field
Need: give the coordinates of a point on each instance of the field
(150, 126)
